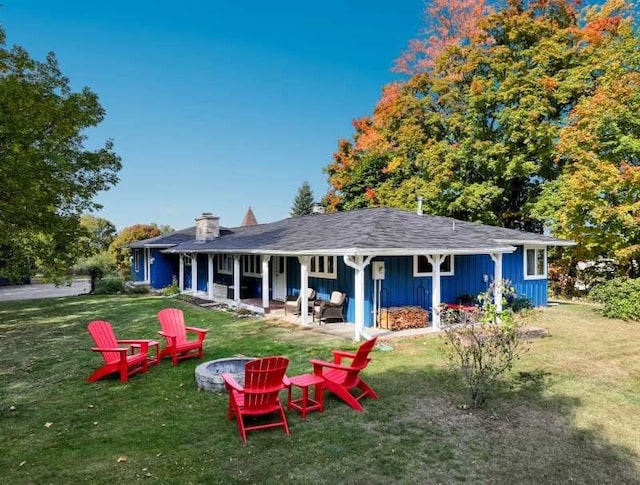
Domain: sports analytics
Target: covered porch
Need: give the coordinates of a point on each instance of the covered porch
(355, 278)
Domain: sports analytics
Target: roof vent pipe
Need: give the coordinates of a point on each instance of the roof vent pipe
(419, 211)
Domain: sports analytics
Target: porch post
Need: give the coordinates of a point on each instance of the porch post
(304, 286)
(210, 277)
(435, 260)
(181, 272)
(194, 273)
(358, 263)
(236, 278)
(497, 280)
(265, 281)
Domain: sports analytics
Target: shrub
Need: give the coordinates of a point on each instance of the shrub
(620, 298)
(561, 284)
(109, 285)
(171, 290)
(484, 348)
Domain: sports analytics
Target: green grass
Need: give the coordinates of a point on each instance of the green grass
(571, 415)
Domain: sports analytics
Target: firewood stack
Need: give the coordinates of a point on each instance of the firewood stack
(400, 318)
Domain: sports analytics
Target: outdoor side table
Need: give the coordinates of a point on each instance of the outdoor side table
(152, 344)
(306, 404)
(154, 360)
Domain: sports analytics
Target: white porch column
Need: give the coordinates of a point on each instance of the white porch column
(497, 280)
(265, 281)
(181, 272)
(435, 260)
(210, 277)
(236, 278)
(194, 273)
(304, 286)
(358, 263)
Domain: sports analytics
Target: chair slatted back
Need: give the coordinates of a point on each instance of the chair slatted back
(102, 334)
(263, 381)
(360, 361)
(172, 323)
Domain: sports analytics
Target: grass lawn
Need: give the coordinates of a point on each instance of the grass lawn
(573, 414)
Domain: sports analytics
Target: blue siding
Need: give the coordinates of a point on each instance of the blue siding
(203, 272)
(472, 275)
(400, 287)
(163, 269)
(187, 277)
(137, 274)
(513, 270)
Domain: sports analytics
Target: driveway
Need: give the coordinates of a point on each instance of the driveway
(42, 290)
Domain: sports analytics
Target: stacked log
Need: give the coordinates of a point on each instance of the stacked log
(400, 318)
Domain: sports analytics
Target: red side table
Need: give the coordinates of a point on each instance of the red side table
(306, 404)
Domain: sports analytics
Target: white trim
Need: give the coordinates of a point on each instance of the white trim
(136, 260)
(435, 260)
(194, 275)
(227, 259)
(210, 276)
(355, 251)
(147, 265)
(314, 262)
(358, 263)
(251, 265)
(304, 286)
(536, 249)
(265, 281)
(236, 278)
(497, 280)
(451, 271)
(181, 273)
(534, 242)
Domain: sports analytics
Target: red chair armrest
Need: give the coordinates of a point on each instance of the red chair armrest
(231, 383)
(285, 381)
(143, 344)
(322, 363)
(109, 349)
(339, 354)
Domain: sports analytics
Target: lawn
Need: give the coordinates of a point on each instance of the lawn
(571, 415)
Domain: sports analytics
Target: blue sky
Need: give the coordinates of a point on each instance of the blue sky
(218, 105)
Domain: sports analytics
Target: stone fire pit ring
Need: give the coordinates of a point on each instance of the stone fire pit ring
(208, 373)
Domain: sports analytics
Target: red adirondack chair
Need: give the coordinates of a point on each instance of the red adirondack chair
(340, 379)
(263, 380)
(125, 360)
(175, 332)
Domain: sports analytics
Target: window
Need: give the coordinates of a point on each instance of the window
(187, 260)
(136, 260)
(224, 264)
(251, 265)
(422, 266)
(535, 263)
(323, 267)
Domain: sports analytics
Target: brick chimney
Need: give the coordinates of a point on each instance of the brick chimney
(207, 227)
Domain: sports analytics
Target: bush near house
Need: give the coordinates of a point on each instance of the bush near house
(620, 297)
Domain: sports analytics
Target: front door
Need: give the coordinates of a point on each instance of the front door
(279, 278)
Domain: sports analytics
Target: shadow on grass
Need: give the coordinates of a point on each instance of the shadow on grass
(65, 430)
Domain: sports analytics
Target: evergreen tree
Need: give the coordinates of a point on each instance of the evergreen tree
(303, 203)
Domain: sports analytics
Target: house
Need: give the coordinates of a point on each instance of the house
(416, 260)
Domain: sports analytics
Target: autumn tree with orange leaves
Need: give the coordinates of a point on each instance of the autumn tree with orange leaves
(521, 116)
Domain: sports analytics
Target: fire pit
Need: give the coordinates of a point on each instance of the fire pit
(208, 373)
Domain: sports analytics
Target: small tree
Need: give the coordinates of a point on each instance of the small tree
(482, 348)
(303, 203)
(130, 234)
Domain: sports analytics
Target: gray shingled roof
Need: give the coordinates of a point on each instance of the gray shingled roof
(166, 240)
(376, 231)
